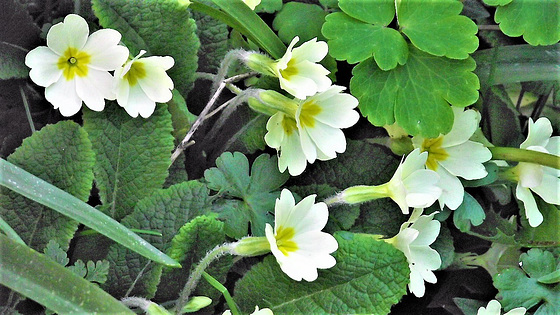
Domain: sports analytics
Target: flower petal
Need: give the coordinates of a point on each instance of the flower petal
(338, 112)
(291, 155)
(275, 135)
(105, 51)
(452, 191)
(531, 210)
(72, 32)
(464, 125)
(139, 103)
(156, 84)
(43, 63)
(466, 160)
(328, 139)
(549, 189)
(311, 50)
(283, 208)
(63, 96)
(539, 133)
(94, 88)
(530, 175)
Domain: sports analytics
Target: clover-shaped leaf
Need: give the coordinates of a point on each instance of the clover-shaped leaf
(537, 21)
(416, 95)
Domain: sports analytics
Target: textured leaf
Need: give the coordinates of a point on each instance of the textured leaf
(189, 246)
(162, 28)
(214, 45)
(537, 21)
(132, 155)
(50, 284)
(521, 288)
(254, 193)
(299, 19)
(18, 33)
(79, 268)
(42, 154)
(369, 277)
(251, 137)
(469, 212)
(416, 95)
(165, 212)
(54, 252)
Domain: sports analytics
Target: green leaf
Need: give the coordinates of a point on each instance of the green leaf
(189, 246)
(18, 33)
(501, 124)
(42, 154)
(79, 268)
(132, 155)
(437, 27)
(417, 95)
(7, 229)
(50, 284)
(469, 212)
(269, 6)
(521, 288)
(379, 12)
(251, 136)
(537, 21)
(254, 192)
(97, 272)
(54, 252)
(547, 233)
(299, 19)
(165, 211)
(492, 176)
(162, 28)
(180, 116)
(369, 277)
(48, 195)
(214, 44)
(444, 246)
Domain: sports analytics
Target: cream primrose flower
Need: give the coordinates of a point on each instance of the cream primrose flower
(414, 240)
(495, 308)
(252, 3)
(542, 180)
(74, 67)
(297, 241)
(306, 130)
(264, 311)
(141, 82)
(453, 154)
(411, 186)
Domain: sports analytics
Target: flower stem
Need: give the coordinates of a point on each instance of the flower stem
(523, 155)
(27, 111)
(189, 287)
(229, 300)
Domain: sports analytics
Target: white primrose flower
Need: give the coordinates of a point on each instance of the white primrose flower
(306, 130)
(74, 66)
(141, 82)
(495, 308)
(252, 3)
(542, 180)
(414, 240)
(264, 311)
(297, 242)
(453, 155)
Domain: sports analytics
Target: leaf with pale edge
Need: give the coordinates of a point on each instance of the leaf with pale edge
(417, 95)
(522, 288)
(469, 212)
(62, 155)
(537, 21)
(369, 277)
(132, 155)
(165, 211)
(162, 28)
(188, 247)
(252, 196)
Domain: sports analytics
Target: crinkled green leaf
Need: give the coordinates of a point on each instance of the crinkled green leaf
(43, 154)
(165, 211)
(469, 212)
(369, 277)
(161, 27)
(547, 233)
(177, 172)
(299, 19)
(251, 137)
(18, 33)
(254, 194)
(54, 252)
(537, 21)
(214, 40)
(521, 288)
(188, 247)
(132, 155)
(417, 95)
(437, 27)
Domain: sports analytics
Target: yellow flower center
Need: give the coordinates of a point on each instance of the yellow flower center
(308, 112)
(284, 240)
(73, 63)
(435, 152)
(137, 71)
(289, 125)
(290, 70)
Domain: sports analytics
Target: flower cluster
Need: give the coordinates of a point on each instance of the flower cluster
(74, 68)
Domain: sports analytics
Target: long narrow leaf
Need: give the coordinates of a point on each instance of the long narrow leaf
(7, 229)
(46, 194)
(43, 280)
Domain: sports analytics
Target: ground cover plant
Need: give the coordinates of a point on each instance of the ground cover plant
(279, 157)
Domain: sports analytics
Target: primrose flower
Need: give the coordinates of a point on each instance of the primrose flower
(297, 241)
(414, 240)
(453, 154)
(264, 311)
(74, 67)
(495, 308)
(141, 82)
(542, 180)
(252, 3)
(306, 130)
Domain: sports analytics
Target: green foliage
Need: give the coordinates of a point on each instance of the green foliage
(214, 44)
(162, 28)
(165, 211)
(522, 287)
(18, 33)
(42, 154)
(269, 6)
(501, 125)
(41, 279)
(54, 252)
(189, 246)
(417, 95)
(444, 246)
(180, 116)
(299, 19)
(469, 212)
(369, 277)
(547, 233)
(252, 193)
(132, 155)
(537, 21)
